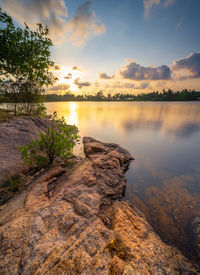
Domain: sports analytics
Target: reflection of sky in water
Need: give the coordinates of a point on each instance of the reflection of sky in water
(164, 139)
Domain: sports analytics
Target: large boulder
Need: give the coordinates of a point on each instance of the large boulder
(15, 132)
(77, 222)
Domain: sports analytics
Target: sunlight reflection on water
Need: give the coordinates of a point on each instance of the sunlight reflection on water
(72, 119)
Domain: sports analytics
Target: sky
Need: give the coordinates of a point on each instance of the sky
(128, 46)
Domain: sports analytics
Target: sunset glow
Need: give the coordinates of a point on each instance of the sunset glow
(118, 46)
(62, 78)
(99, 137)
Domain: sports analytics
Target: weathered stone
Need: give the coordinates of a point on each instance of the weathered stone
(15, 132)
(196, 234)
(83, 228)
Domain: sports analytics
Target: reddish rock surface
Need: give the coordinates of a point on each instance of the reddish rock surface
(15, 132)
(78, 223)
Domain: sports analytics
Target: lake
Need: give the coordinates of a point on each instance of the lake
(164, 139)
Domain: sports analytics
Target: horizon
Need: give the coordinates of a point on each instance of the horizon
(122, 46)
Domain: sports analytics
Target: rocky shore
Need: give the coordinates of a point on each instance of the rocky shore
(76, 221)
(17, 131)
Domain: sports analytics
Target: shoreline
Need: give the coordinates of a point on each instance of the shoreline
(94, 151)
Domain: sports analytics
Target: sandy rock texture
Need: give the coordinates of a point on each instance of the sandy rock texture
(196, 235)
(15, 132)
(77, 222)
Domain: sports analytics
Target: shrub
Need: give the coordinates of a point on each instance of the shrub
(15, 182)
(57, 141)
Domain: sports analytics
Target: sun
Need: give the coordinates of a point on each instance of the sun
(73, 87)
(70, 82)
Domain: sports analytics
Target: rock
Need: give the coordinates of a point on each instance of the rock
(94, 148)
(15, 132)
(196, 235)
(85, 226)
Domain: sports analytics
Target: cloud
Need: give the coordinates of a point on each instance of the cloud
(49, 12)
(57, 68)
(143, 85)
(191, 64)
(160, 84)
(59, 87)
(135, 71)
(96, 84)
(148, 4)
(81, 84)
(127, 85)
(105, 76)
(120, 85)
(54, 13)
(75, 68)
(178, 25)
(168, 3)
(69, 76)
(84, 24)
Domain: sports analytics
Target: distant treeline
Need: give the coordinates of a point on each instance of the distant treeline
(165, 95)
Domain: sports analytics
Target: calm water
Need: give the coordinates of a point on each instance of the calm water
(164, 139)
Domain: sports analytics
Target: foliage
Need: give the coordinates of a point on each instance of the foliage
(24, 62)
(168, 95)
(25, 53)
(21, 100)
(57, 141)
(15, 182)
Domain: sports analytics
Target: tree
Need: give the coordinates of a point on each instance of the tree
(100, 96)
(20, 99)
(24, 60)
(57, 141)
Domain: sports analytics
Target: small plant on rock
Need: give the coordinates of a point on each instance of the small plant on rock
(15, 182)
(57, 141)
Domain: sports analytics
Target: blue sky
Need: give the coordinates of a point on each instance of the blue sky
(153, 40)
(127, 41)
